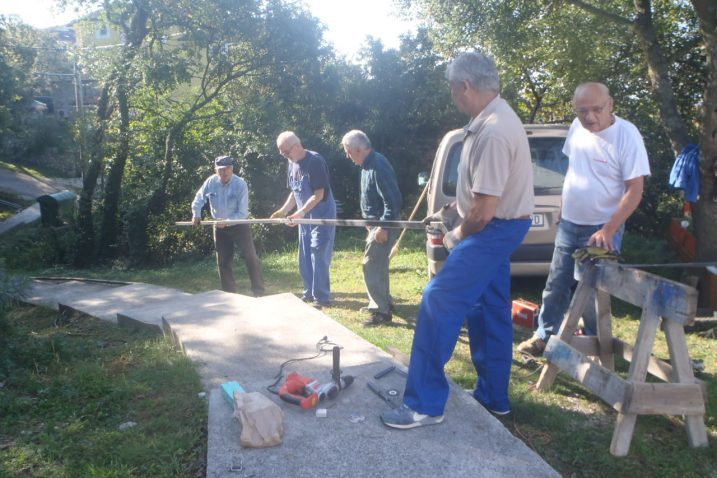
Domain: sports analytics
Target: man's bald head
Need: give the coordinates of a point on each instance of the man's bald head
(593, 106)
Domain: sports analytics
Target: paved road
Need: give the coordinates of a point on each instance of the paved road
(29, 188)
(24, 186)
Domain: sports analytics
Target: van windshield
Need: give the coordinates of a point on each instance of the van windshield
(549, 166)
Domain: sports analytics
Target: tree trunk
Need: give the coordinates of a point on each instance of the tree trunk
(138, 229)
(85, 242)
(706, 210)
(109, 230)
(659, 73)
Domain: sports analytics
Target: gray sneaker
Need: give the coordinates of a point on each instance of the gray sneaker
(405, 418)
(534, 346)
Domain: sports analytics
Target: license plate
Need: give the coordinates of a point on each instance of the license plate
(538, 221)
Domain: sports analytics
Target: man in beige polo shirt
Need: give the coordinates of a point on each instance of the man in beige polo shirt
(495, 199)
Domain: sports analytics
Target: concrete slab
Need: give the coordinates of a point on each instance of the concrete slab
(234, 337)
(150, 315)
(248, 341)
(105, 304)
(49, 293)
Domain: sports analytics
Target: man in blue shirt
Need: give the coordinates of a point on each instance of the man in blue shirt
(228, 197)
(308, 180)
(381, 200)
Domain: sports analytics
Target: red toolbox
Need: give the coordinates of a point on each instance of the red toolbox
(525, 313)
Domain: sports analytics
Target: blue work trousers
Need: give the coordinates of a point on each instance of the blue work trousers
(561, 281)
(474, 287)
(316, 246)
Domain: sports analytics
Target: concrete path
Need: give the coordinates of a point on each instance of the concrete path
(26, 216)
(234, 337)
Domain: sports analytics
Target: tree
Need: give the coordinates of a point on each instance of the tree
(30, 61)
(175, 63)
(400, 99)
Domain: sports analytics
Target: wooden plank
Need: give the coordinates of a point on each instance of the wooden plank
(646, 334)
(672, 300)
(649, 322)
(665, 399)
(604, 329)
(585, 344)
(580, 299)
(656, 367)
(610, 387)
(682, 366)
(622, 434)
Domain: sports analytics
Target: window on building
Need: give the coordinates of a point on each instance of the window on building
(103, 32)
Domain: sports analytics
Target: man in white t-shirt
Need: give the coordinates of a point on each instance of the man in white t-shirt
(603, 187)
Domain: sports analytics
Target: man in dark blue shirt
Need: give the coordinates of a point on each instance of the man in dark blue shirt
(381, 200)
(308, 180)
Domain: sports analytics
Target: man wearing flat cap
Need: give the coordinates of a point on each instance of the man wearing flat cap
(228, 197)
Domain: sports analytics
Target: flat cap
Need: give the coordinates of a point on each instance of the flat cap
(223, 161)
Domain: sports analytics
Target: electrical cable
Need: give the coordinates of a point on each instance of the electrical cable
(322, 347)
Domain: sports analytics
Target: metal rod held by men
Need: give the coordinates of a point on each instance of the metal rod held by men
(318, 222)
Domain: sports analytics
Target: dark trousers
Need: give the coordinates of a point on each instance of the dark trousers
(224, 239)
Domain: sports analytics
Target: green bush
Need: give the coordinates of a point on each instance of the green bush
(35, 246)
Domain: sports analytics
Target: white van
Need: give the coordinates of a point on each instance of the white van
(549, 167)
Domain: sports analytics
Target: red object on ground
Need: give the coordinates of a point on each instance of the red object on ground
(682, 240)
(525, 313)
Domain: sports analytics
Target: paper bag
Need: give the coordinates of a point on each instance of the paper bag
(262, 421)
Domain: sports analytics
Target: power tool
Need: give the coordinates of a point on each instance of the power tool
(307, 392)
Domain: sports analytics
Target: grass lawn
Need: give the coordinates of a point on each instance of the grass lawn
(570, 428)
(68, 384)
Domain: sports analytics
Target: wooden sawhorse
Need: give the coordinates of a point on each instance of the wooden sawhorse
(590, 360)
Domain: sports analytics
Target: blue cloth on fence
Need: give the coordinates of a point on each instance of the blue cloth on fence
(685, 172)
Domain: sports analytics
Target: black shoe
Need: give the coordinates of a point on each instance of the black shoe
(378, 318)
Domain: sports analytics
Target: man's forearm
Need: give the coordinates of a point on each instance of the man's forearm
(481, 213)
(628, 204)
(289, 203)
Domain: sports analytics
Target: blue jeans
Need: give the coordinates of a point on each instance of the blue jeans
(474, 287)
(561, 279)
(316, 247)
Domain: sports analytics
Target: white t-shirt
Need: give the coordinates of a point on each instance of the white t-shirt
(600, 163)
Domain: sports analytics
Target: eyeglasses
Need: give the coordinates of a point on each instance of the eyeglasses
(286, 152)
(596, 110)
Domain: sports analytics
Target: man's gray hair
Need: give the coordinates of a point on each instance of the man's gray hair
(601, 87)
(356, 139)
(477, 69)
(287, 139)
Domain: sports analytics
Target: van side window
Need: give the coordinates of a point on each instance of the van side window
(450, 176)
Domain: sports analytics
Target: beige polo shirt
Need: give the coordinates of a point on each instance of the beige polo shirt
(496, 161)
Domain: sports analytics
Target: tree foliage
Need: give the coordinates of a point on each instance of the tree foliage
(192, 80)
(30, 64)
